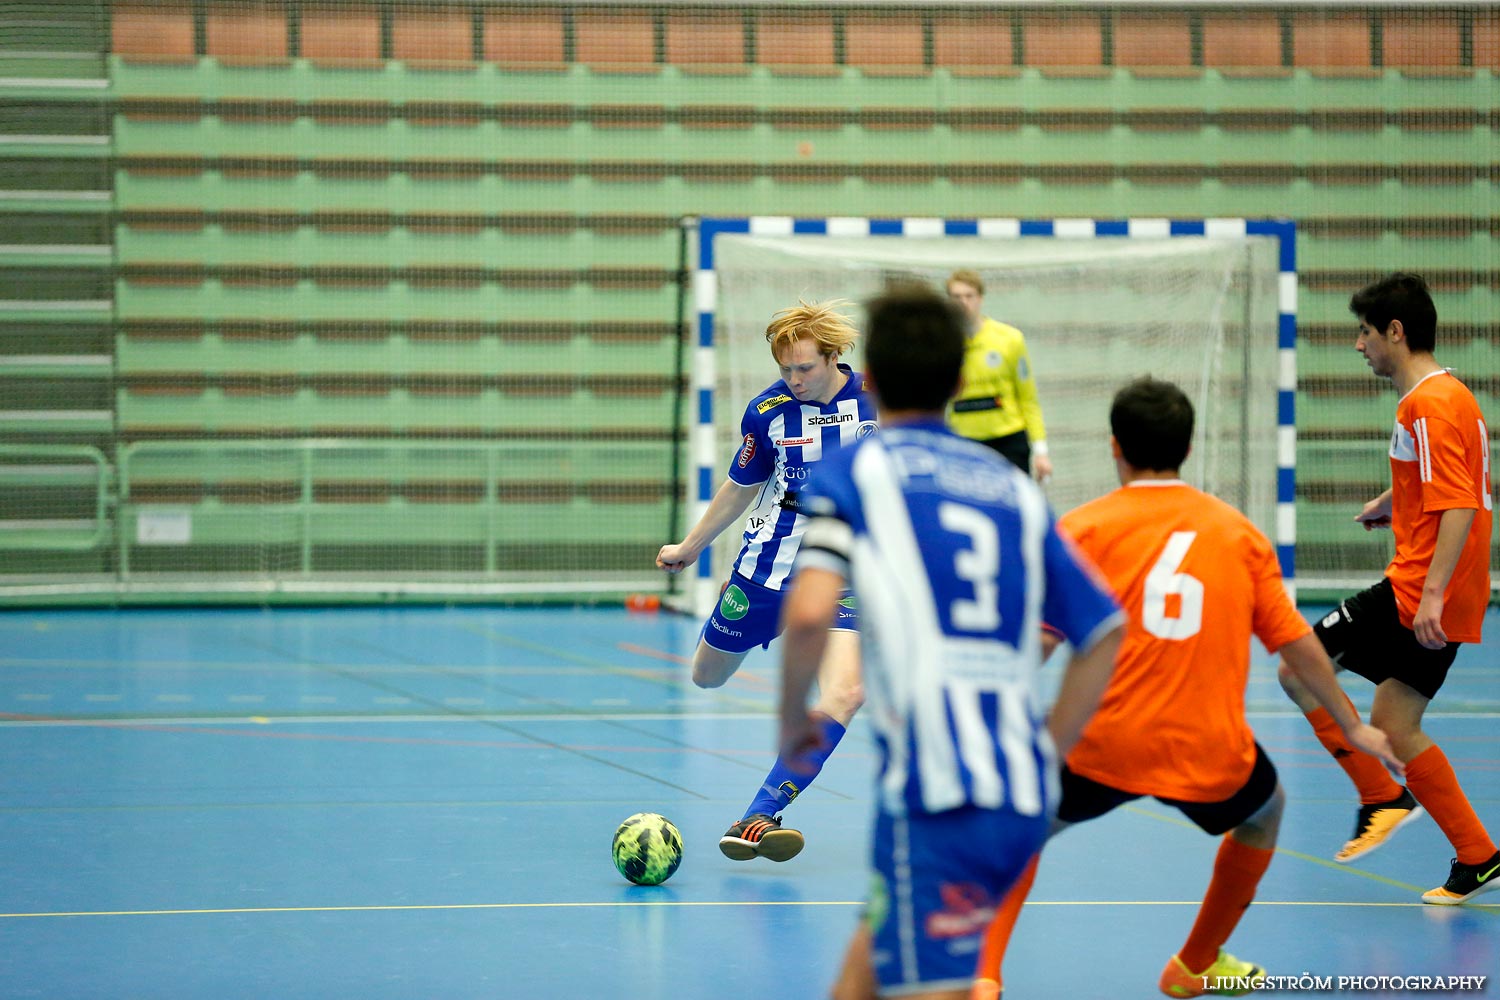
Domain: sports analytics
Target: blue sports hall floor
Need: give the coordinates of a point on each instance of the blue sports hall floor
(418, 803)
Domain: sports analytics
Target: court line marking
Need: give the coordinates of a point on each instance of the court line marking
(266, 667)
(126, 721)
(160, 807)
(665, 744)
(673, 903)
(652, 675)
(514, 729)
(1313, 858)
(375, 718)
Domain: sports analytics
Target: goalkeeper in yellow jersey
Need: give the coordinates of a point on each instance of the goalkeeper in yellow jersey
(996, 402)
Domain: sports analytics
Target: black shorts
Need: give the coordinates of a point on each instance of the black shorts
(1085, 799)
(1364, 635)
(1016, 447)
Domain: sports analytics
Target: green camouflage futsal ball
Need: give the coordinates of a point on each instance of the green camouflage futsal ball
(647, 849)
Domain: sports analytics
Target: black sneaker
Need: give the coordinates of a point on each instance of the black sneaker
(760, 836)
(1376, 823)
(1465, 882)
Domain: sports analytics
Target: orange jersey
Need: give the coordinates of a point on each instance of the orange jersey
(1196, 579)
(1440, 460)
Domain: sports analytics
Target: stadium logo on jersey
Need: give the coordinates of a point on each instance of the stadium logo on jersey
(734, 605)
(824, 420)
(865, 429)
(748, 451)
(772, 403)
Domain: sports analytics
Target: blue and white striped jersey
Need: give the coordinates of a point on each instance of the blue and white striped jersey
(783, 440)
(955, 562)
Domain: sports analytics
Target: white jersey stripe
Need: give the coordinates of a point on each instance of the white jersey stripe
(1424, 450)
(848, 429)
(975, 744)
(1015, 743)
(902, 558)
(1018, 704)
(781, 563)
(883, 620)
(1033, 508)
(906, 910)
(788, 440)
(812, 451)
(950, 624)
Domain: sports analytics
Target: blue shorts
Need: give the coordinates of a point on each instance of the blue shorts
(937, 880)
(749, 615)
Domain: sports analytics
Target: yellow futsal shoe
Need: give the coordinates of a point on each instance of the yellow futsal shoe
(1227, 977)
(1376, 823)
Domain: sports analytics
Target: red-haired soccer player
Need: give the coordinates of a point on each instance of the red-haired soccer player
(1404, 632)
(817, 407)
(1196, 579)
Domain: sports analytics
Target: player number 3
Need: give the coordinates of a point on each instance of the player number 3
(1166, 587)
(978, 565)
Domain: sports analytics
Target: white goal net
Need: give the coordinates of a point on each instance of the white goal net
(1201, 311)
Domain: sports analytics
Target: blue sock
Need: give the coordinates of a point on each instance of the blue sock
(783, 784)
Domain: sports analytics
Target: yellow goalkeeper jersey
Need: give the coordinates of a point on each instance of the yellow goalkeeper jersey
(997, 394)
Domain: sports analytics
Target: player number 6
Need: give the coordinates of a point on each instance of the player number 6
(1165, 581)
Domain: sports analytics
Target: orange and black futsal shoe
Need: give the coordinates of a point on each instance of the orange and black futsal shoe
(760, 836)
(1465, 882)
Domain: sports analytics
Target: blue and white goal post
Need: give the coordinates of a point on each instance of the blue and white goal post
(1081, 337)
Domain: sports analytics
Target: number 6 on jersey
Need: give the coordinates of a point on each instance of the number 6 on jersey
(1165, 583)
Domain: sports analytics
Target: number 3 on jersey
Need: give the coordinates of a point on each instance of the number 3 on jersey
(978, 565)
(1166, 586)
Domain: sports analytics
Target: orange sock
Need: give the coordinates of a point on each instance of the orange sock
(1237, 872)
(987, 980)
(1431, 779)
(1374, 782)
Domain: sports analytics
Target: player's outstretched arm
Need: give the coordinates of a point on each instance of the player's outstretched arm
(1084, 680)
(1309, 661)
(727, 506)
(808, 613)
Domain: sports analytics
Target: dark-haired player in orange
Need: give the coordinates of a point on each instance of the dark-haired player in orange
(1404, 632)
(1196, 580)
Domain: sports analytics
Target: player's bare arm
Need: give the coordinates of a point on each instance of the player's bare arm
(1453, 532)
(728, 505)
(809, 613)
(1307, 658)
(1376, 513)
(1084, 680)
